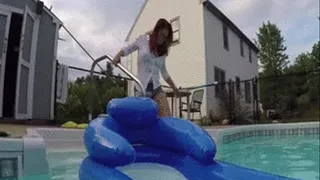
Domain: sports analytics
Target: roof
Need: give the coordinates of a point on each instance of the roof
(53, 15)
(46, 9)
(212, 8)
(136, 19)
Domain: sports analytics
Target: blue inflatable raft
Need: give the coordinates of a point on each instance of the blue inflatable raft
(132, 133)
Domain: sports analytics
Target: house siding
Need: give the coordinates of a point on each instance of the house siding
(43, 70)
(230, 60)
(186, 62)
(21, 4)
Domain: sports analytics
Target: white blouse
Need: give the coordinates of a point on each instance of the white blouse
(149, 66)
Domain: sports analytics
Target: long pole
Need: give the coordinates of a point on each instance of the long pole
(96, 72)
(75, 39)
(126, 71)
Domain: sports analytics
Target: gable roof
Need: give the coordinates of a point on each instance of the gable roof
(213, 9)
(136, 19)
(47, 10)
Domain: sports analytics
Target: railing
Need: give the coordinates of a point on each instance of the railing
(125, 70)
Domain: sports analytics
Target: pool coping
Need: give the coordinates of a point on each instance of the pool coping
(23, 152)
(74, 137)
(219, 135)
(279, 129)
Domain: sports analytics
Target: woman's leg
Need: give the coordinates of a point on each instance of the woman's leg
(161, 99)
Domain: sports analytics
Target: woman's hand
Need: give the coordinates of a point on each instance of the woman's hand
(173, 86)
(117, 58)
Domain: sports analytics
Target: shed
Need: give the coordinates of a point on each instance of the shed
(28, 46)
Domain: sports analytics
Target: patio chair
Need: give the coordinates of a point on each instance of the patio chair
(195, 104)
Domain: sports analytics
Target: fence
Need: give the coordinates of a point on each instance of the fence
(232, 101)
(290, 97)
(104, 88)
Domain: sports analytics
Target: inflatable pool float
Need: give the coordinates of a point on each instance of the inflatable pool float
(82, 126)
(133, 133)
(73, 125)
(69, 124)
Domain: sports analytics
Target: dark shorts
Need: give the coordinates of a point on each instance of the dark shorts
(150, 92)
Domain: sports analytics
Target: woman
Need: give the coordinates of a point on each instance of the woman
(153, 49)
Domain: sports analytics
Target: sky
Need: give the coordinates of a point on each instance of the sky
(101, 28)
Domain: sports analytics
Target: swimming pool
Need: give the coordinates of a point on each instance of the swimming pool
(65, 166)
(290, 150)
(290, 156)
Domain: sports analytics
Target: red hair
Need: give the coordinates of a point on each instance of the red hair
(163, 48)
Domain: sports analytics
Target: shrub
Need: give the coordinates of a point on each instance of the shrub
(242, 112)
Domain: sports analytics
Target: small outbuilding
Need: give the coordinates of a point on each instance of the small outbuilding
(28, 52)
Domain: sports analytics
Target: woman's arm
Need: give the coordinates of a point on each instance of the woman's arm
(167, 78)
(126, 51)
(172, 85)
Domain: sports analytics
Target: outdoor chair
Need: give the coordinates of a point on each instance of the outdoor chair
(195, 104)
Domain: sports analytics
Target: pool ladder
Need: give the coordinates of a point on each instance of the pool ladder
(122, 68)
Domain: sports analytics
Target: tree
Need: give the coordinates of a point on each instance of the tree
(312, 63)
(315, 54)
(300, 84)
(103, 89)
(272, 49)
(273, 60)
(303, 62)
(109, 68)
(290, 89)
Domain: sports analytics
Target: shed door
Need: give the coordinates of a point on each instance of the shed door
(5, 18)
(26, 65)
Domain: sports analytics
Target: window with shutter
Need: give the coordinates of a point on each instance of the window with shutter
(175, 23)
(247, 92)
(238, 87)
(225, 37)
(220, 78)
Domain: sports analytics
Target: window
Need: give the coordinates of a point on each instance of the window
(220, 77)
(247, 92)
(175, 22)
(238, 85)
(225, 37)
(241, 48)
(250, 56)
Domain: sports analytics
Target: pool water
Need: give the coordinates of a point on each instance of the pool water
(65, 166)
(290, 156)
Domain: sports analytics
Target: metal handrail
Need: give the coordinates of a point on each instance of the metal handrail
(125, 70)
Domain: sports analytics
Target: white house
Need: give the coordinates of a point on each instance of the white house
(208, 47)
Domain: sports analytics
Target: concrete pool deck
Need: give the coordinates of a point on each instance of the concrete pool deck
(18, 131)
